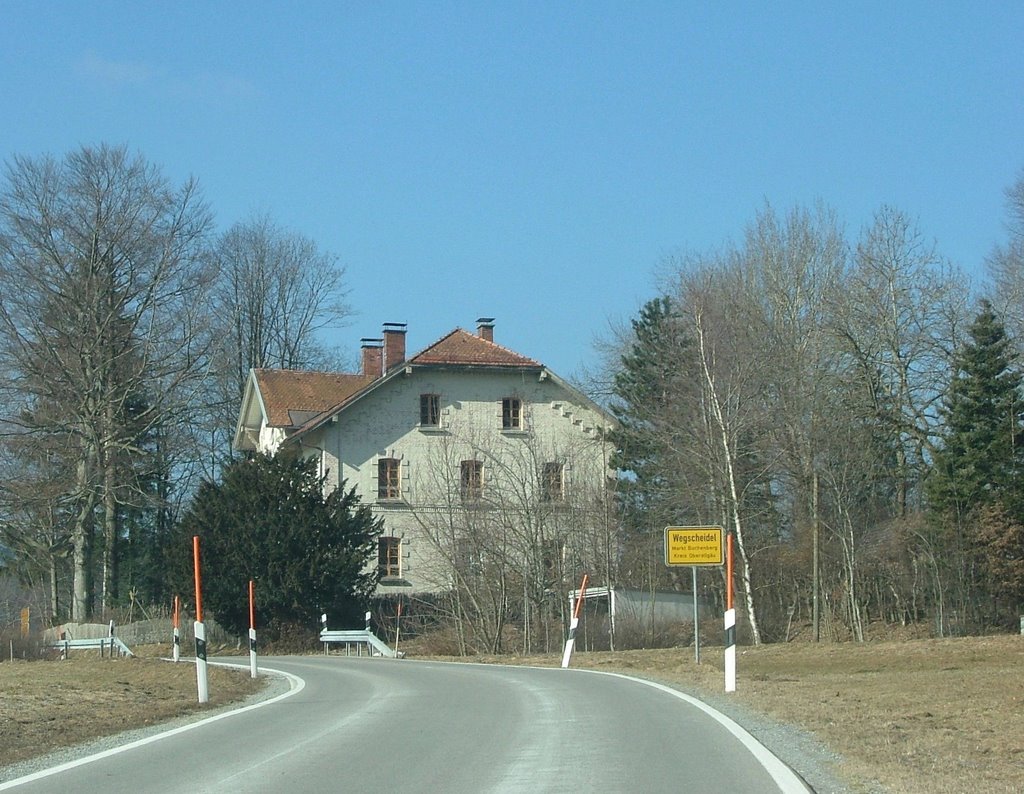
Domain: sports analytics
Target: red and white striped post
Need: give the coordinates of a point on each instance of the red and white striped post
(574, 623)
(176, 651)
(252, 629)
(202, 680)
(730, 621)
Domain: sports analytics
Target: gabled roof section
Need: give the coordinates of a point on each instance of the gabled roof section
(292, 397)
(461, 348)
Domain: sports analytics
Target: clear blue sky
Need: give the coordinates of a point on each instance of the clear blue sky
(536, 161)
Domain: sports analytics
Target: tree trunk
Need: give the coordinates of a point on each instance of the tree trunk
(110, 550)
(82, 536)
(54, 594)
(815, 563)
(849, 552)
(716, 410)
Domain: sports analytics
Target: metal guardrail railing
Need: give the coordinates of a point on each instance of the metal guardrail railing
(103, 644)
(358, 638)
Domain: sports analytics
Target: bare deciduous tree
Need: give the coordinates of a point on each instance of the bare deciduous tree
(277, 291)
(897, 320)
(522, 533)
(1005, 265)
(101, 321)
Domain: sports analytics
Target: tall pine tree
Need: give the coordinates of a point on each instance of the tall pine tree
(981, 457)
(654, 387)
(974, 487)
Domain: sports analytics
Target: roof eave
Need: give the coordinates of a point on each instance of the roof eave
(251, 393)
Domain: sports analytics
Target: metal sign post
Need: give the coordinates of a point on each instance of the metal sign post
(696, 547)
(696, 619)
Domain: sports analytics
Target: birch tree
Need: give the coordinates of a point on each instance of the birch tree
(731, 409)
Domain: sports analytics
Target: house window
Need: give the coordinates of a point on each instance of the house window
(552, 560)
(511, 414)
(430, 410)
(471, 483)
(469, 559)
(552, 482)
(389, 557)
(389, 478)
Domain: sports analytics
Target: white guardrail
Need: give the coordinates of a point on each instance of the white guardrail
(357, 638)
(65, 643)
(104, 644)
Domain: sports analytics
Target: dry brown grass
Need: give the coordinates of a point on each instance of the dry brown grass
(927, 716)
(921, 716)
(47, 705)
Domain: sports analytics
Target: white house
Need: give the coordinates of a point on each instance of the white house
(470, 451)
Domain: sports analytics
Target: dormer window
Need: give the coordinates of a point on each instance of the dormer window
(511, 414)
(430, 410)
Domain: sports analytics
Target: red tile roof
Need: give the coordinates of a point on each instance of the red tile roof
(463, 348)
(295, 398)
(285, 390)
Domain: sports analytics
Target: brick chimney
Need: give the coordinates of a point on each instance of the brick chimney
(394, 345)
(373, 357)
(485, 328)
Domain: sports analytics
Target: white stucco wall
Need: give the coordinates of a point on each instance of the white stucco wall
(385, 424)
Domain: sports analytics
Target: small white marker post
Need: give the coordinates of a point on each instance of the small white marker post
(573, 624)
(176, 652)
(202, 680)
(252, 629)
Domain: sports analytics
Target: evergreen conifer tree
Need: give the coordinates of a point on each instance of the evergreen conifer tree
(652, 388)
(974, 487)
(981, 457)
(269, 520)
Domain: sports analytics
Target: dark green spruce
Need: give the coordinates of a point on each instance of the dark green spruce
(268, 520)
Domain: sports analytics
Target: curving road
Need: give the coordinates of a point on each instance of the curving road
(370, 724)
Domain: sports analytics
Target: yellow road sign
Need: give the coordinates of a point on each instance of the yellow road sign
(694, 546)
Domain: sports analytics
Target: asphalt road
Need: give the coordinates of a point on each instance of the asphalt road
(384, 725)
